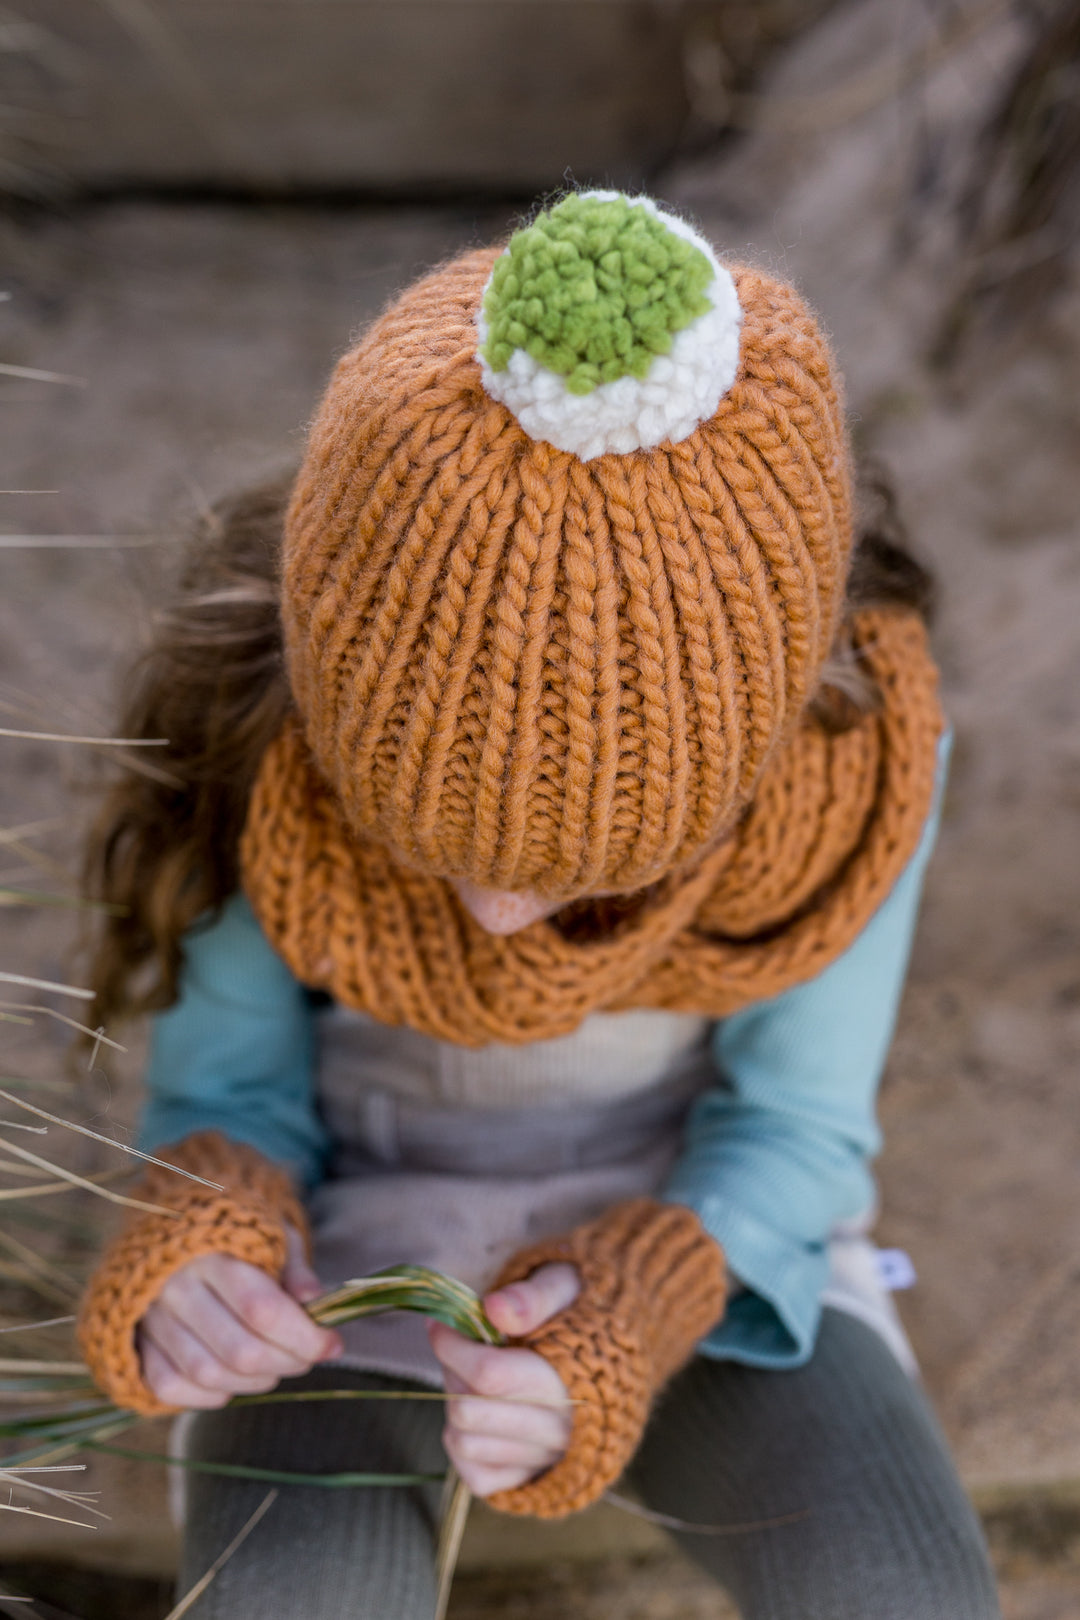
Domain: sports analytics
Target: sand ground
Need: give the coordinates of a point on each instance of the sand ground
(205, 333)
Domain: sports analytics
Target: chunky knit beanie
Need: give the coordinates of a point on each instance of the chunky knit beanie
(566, 553)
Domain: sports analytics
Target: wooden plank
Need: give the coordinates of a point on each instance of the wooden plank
(366, 94)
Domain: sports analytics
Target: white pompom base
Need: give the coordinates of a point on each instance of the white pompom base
(681, 389)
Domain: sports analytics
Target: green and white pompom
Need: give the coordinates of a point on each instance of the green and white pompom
(609, 326)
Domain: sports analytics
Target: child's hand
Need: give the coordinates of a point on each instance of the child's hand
(498, 1444)
(220, 1328)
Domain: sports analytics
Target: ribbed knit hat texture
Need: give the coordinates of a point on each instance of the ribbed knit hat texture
(563, 669)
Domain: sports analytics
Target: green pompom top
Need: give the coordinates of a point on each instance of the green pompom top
(594, 290)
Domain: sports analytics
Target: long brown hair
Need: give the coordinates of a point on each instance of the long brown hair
(163, 851)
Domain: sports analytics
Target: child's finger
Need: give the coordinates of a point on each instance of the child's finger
(267, 1310)
(490, 1451)
(533, 1428)
(484, 1481)
(168, 1383)
(523, 1306)
(298, 1279)
(202, 1313)
(194, 1360)
(542, 1427)
(490, 1370)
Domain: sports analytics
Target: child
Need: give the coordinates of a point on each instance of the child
(535, 906)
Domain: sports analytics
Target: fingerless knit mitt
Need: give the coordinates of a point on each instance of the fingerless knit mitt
(246, 1220)
(652, 1285)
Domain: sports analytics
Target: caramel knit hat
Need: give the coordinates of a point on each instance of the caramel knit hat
(567, 552)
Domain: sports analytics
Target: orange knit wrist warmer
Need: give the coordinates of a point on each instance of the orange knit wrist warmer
(246, 1220)
(652, 1285)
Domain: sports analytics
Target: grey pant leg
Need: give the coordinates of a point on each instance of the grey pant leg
(319, 1553)
(850, 1442)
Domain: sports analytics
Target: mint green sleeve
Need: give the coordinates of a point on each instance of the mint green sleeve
(779, 1152)
(236, 1051)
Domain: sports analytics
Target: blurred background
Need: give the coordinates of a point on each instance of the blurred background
(200, 200)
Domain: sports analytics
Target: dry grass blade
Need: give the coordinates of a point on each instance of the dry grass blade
(81, 1499)
(349, 1480)
(96, 1136)
(667, 1521)
(12, 1169)
(81, 1181)
(70, 1385)
(42, 1369)
(457, 1499)
(89, 1416)
(25, 1277)
(301, 1396)
(34, 858)
(64, 1443)
(51, 1281)
(43, 1398)
(53, 1468)
(37, 1084)
(46, 897)
(15, 1479)
(29, 829)
(196, 1592)
(37, 1327)
(76, 542)
(62, 1018)
(45, 984)
(31, 374)
(96, 742)
(57, 1518)
(48, 1189)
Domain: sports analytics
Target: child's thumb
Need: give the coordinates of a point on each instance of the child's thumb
(298, 1279)
(521, 1307)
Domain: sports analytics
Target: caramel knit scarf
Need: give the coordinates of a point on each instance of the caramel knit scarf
(834, 822)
